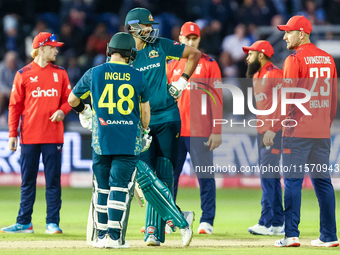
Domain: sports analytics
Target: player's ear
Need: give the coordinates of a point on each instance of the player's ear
(302, 34)
(260, 56)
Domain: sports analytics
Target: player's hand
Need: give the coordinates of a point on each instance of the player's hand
(268, 138)
(147, 139)
(175, 88)
(214, 141)
(86, 117)
(59, 115)
(13, 143)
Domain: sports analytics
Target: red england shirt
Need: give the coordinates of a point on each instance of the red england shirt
(313, 69)
(264, 81)
(37, 93)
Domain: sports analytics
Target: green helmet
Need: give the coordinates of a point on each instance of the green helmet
(124, 44)
(138, 16)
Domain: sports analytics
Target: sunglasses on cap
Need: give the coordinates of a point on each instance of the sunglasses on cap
(52, 38)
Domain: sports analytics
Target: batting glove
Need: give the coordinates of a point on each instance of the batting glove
(147, 139)
(175, 88)
(86, 118)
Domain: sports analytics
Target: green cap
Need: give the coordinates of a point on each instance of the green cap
(122, 41)
(139, 15)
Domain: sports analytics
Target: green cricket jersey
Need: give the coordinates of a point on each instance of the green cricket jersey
(151, 60)
(116, 90)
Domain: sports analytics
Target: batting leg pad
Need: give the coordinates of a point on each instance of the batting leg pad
(165, 173)
(97, 219)
(118, 204)
(154, 223)
(158, 195)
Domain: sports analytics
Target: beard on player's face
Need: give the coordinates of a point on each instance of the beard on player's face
(253, 67)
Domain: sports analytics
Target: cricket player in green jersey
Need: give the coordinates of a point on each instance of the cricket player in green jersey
(165, 124)
(119, 120)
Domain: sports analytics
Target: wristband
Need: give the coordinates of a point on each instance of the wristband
(80, 107)
(185, 76)
(146, 131)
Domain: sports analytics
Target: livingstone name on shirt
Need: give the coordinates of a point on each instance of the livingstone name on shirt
(117, 76)
(318, 60)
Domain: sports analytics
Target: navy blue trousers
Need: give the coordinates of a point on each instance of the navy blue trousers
(200, 156)
(29, 162)
(271, 202)
(296, 153)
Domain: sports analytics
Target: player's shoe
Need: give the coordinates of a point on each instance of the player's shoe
(187, 233)
(258, 229)
(167, 229)
(142, 230)
(99, 242)
(170, 227)
(53, 228)
(288, 242)
(18, 228)
(319, 243)
(115, 244)
(205, 228)
(152, 241)
(278, 231)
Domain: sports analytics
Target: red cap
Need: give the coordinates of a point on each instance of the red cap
(299, 23)
(190, 28)
(261, 46)
(44, 39)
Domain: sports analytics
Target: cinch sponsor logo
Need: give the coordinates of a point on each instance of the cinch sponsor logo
(115, 122)
(45, 93)
(260, 96)
(149, 67)
(287, 80)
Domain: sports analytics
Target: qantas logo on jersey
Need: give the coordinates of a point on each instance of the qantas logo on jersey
(35, 79)
(102, 122)
(115, 122)
(149, 67)
(318, 60)
(45, 93)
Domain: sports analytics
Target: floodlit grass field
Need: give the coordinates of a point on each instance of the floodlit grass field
(237, 209)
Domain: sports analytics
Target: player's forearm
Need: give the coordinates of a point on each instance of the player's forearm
(65, 107)
(73, 100)
(145, 112)
(13, 120)
(193, 57)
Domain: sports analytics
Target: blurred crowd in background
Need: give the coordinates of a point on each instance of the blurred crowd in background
(86, 26)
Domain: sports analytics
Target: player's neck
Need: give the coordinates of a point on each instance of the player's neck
(117, 58)
(40, 61)
(306, 41)
(139, 43)
(263, 63)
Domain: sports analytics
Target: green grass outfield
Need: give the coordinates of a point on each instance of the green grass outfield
(237, 209)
